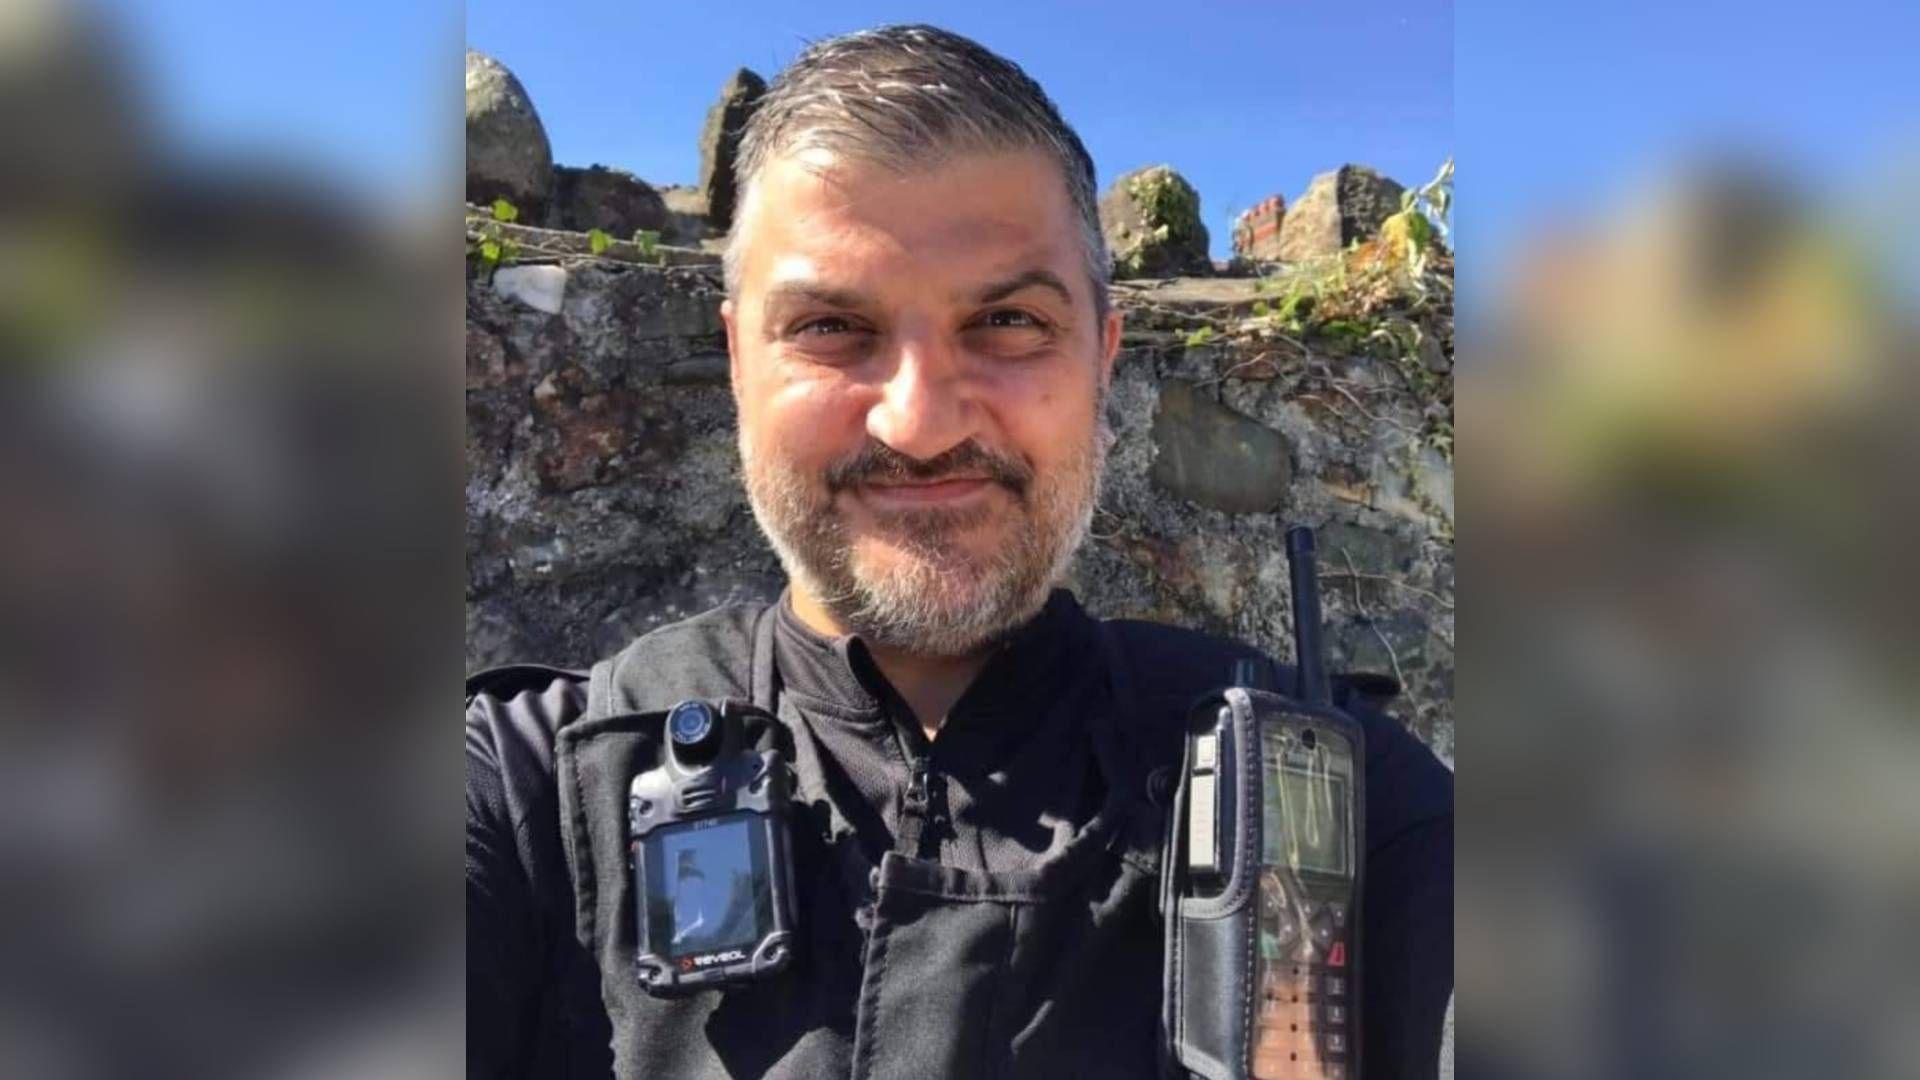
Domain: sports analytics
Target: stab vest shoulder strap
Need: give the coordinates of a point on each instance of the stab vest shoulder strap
(724, 653)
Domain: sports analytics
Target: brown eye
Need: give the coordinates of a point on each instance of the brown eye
(833, 324)
(1011, 332)
(1012, 318)
(831, 339)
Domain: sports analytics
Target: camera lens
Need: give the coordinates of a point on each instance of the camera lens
(690, 722)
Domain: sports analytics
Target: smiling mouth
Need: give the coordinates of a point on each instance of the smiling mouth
(927, 493)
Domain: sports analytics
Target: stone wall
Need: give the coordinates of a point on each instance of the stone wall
(603, 496)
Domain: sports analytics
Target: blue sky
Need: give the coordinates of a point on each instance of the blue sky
(1560, 105)
(1245, 99)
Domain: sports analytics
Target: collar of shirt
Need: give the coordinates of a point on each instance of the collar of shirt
(1009, 778)
(1026, 667)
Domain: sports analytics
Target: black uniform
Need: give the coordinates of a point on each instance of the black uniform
(978, 905)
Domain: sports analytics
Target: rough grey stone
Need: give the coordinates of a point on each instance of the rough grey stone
(1151, 218)
(1362, 562)
(686, 214)
(535, 243)
(720, 143)
(1418, 487)
(1377, 643)
(1338, 208)
(1211, 455)
(612, 200)
(543, 288)
(1433, 356)
(604, 494)
(508, 156)
(714, 368)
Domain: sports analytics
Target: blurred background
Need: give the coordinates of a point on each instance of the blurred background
(1687, 391)
(230, 465)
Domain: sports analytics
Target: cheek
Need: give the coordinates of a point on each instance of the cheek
(1041, 411)
(814, 416)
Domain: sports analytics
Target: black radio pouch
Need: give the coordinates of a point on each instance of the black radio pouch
(1210, 987)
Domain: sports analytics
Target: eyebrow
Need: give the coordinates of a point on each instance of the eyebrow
(800, 292)
(1027, 279)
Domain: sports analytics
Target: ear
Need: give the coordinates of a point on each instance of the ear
(1110, 343)
(727, 313)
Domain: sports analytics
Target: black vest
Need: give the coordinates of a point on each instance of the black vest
(906, 968)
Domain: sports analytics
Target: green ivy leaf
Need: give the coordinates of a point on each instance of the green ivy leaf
(1200, 337)
(597, 241)
(646, 240)
(490, 250)
(1420, 230)
(1260, 309)
(505, 211)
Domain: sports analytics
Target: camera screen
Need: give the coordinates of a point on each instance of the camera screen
(707, 886)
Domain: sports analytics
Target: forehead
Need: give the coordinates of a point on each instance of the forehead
(814, 217)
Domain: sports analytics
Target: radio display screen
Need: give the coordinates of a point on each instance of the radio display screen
(1305, 819)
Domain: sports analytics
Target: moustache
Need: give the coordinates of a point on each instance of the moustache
(876, 462)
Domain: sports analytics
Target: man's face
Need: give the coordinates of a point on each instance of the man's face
(919, 370)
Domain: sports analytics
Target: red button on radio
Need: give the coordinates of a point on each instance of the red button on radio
(1338, 956)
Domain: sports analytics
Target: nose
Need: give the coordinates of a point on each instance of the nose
(928, 405)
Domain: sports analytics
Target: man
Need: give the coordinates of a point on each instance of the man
(921, 341)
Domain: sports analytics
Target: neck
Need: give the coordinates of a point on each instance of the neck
(930, 685)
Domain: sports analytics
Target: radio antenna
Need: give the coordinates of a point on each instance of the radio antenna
(1310, 653)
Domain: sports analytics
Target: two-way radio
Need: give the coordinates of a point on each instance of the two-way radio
(1266, 851)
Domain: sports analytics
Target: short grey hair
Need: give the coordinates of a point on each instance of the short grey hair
(902, 95)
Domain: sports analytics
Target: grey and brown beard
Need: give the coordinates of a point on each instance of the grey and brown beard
(934, 598)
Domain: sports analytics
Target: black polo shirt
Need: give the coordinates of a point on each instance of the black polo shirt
(1010, 773)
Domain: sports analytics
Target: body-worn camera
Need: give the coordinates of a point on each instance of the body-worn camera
(1263, 919)
(712, 864)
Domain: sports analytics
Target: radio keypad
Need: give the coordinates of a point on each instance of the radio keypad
(1303, 1027)
(1287, 935)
